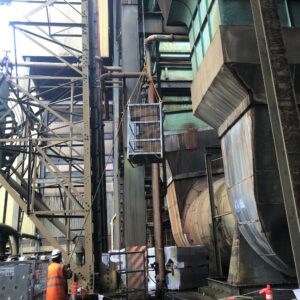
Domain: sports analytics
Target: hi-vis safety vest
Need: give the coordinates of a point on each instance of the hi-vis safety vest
(56, 283)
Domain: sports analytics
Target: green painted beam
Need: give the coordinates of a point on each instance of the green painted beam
(181, 121)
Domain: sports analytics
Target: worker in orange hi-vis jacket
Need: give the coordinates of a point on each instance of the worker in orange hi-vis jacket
(58, 274)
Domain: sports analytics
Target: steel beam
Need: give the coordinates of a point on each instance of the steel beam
(41, 103)
(43, 2)
(69, 25)
(158, 236)
(88, 227)
(116, 226)
(99, 208)
(28, 35)
(60, 178)
(38, 204)
(208, 161)
(283, 112)
(116, 241)
(54, 139)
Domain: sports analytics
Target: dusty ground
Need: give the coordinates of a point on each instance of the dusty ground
(186, 296)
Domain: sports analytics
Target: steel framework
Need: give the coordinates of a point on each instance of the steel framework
(49, 175)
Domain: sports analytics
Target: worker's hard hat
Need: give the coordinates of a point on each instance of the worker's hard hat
(55, 253)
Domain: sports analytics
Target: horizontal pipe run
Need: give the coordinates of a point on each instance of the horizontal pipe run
(112, 68)
(110, 75)
(161, 38)
(43, 65)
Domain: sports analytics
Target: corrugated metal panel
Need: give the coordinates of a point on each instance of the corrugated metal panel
(221, 99)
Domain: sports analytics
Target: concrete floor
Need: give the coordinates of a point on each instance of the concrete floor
(186, 296)
(277, 295)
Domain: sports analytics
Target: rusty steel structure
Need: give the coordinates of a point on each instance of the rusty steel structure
(49, 176)
(224, 145)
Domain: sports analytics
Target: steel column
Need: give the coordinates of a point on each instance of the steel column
(88, 227)
(213, 215)
(100, 241)
(116, 243)
(158, 238)
(134, 192)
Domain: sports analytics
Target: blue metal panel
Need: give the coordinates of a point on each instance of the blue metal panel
(203, 10)
(235, 12)
(205, 23)
(210, 14)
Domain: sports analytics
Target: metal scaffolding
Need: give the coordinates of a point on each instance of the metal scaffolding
(46, 161)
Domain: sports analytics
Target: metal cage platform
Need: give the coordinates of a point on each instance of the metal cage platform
(144, 133)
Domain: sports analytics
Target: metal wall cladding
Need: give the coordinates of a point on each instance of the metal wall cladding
(224, 95)
(252, 178)
(191, 143)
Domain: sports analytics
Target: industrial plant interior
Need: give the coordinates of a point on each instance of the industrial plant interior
(153, 146)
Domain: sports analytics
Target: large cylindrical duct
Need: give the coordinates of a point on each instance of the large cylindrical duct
(250, 198)
(197, 222)
(253, 181)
